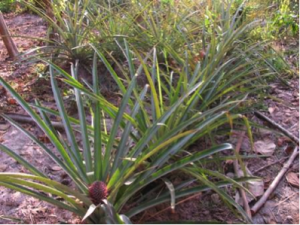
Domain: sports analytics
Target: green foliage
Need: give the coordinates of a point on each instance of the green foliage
(68, 23)
(200, 65)
(285, 19)
(151, 146)
(175, 30)
(279, 18)
(6, 5)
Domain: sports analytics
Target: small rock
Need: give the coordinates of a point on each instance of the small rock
(265, 132)
(271, 110)
(55, 168)
(206, 212)
(3, 167)
(215, 198)
(289, 220)
(4, 127)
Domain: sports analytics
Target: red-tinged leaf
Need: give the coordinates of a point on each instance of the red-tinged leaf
(289, 149)
(2, 91)
(202, 54)
(44, 139)
(11, 101)
(282, 141)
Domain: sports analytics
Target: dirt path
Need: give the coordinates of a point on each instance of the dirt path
(282, 207)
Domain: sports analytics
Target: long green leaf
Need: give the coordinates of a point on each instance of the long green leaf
(77, 159)
(98, 158)
(22, 161)
(123, 147)
(40, 122)
(83, 124)
(72, 173)
(170, 168)
(179, 194)
(51, 183)
(40, 196)
(116, 125)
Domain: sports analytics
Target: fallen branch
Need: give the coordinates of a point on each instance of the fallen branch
(266, 166)
(279, 127)
(236, 170)
(275, 182)
(26, 119)
(7, 40)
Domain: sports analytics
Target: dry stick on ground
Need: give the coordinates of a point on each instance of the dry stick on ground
(266, 166)
(27, 119)
(272, 187)
(279, 127)
(275, 182)
(236, 170)
(7, 40)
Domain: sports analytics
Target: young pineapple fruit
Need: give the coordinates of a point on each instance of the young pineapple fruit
(98, 192)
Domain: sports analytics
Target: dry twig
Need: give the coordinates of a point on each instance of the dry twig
(7, 40)
(271, 164)
(27, 119)
(279, 127)
(236, 170)
(275, 182)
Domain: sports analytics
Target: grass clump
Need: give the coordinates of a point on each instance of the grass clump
(6, 5)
